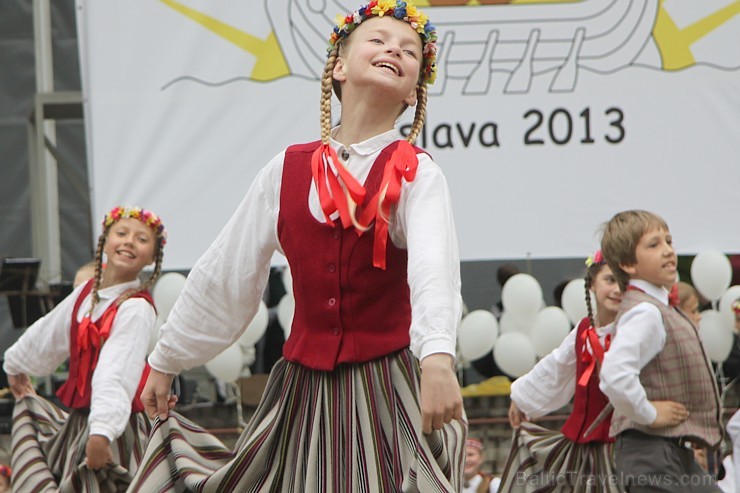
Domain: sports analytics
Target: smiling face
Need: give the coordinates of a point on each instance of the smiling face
(473, 462)
(129, 247)
(607, 293)
(655, 259)
(382, 54)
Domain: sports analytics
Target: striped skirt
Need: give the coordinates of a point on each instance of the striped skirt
(48, 452)
(543, 460)
(356, 429)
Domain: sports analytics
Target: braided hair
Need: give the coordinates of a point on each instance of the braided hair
(595, 264)
(328, 84)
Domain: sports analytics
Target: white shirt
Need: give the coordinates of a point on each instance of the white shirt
(551, 384)
(640, 336)
(474, 483)
(224, 287)
(732, 466)
(45, 345)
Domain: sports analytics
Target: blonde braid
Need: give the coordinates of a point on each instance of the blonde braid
(326, 92)
(98, 269)
(420, 114)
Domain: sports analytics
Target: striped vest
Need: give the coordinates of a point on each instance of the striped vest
(681, 372)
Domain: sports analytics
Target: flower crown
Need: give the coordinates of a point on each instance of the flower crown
(147, 217)
(405, 11)
(736, 306)
(597, 258)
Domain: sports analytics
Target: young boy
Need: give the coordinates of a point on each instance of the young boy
(656, 373)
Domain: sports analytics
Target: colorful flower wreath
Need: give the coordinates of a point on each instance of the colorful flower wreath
(147, 217)
(597, 258)
(405, 11)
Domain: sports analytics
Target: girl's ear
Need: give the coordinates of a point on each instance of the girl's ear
(410, 100)
(338, 73)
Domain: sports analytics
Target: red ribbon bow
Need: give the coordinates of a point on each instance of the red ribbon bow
(331, 194)
(593, 357)
(90, 340)
(401, 165)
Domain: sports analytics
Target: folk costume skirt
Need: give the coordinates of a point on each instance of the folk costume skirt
(355, 429)
(543, 460)
(48, 451)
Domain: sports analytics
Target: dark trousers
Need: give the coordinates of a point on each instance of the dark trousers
(651, 463)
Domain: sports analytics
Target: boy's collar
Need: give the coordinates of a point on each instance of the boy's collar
(658, 292)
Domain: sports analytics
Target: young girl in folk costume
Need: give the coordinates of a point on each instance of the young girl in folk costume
(579, 457)
(103, 327)
(365, 397)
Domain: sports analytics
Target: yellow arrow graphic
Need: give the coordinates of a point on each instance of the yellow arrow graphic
(270, 64)
(675, 44)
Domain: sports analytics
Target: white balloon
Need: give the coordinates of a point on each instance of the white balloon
(725, 307)
(514, 354)
(166, 291)
(288, 280)
(711, 273)
(717, 340)
(257, 327)
(522, 296)
(574, 300)
(227, 366)
(285, 310)
(509, 324)
(550, 327)
(477, 334)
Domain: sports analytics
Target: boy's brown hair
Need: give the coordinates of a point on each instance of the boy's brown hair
(622, 234)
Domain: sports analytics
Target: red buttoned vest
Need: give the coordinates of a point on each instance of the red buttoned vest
(346, 310)
(69, 392)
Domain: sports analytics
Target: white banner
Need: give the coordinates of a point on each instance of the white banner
(547, 116)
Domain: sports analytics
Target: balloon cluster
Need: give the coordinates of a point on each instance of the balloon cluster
(711, 274)
(527, 328)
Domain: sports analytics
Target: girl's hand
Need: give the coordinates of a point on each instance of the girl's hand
(98, 452)
(441, 400)
(156, 395)
(516, 416)
(20, 386)
(670, 413)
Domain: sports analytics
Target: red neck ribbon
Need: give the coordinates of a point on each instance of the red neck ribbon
(401, 165)
(589, 337)
(90, 339)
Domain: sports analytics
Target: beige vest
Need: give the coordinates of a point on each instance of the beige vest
(681, 372)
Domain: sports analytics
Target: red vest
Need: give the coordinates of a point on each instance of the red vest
(69, 393)
(346, 310)
(588, 401)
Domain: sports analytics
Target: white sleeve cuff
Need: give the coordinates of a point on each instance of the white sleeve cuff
(104, 430)
(437, 346)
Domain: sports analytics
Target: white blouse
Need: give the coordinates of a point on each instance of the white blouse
(551, 384)
(45, 345)
(224, 287)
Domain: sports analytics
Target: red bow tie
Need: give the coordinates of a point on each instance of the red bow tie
(673, 299)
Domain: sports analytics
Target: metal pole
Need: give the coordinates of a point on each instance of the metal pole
(43, 167)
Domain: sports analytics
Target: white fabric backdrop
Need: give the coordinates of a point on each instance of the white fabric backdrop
(186, 100)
